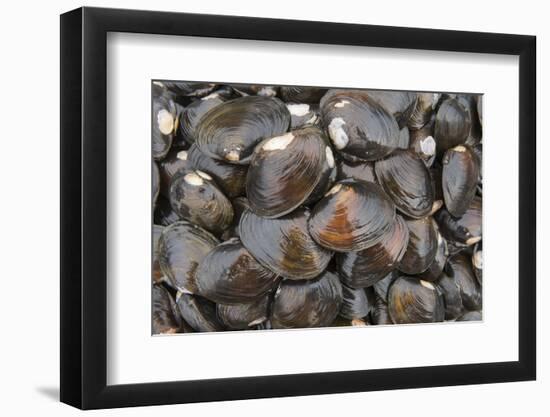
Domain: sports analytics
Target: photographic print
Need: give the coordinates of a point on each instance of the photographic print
(291, 207)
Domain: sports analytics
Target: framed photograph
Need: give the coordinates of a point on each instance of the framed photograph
(261, 208)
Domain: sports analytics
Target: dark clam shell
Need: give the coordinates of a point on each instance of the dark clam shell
(471, 316)
(290, 251)
(156, 271)
(459, 268)
(303, 114)
(307, 303)
(367, 267)
(344, 322)
(231, 130)
(459, 179)
(156, 183)
(452, 124)
(229, 274)
(199, 313)
(414, 301)
(379, 314)
(245, 315)
(406, 180)
(240, 205)
(166, 319)
(477, 261)
(436, 267)
(356, 302)
(422, 110)
(192, 114)
(175, 161)
(164, 213)
(423, 143)
(353, 216)
(230, 178)
(255, 90)
(358, 126)
(182, 246)
(164, 124)
(382, 286)
(400, 104)
(285, 170)
(465, 230)
(188, 89)
(302, 94)
(359, 171)
(422, 246)
(469, 102)
(451, 296)
(195, 197)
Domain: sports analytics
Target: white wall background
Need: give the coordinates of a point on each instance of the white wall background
(29, 213)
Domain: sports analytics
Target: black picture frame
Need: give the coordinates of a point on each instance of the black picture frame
(84, 207)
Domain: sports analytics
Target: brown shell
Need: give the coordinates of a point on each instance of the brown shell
(422, 246)
(166, 319)
(358, 126)
(230, 178)
(244, 315)
(199, 313)
(231, 130)
(307, 303)
(353, 216)
(452, 124)
(465, 230)
(156, 271)
(182, 246)
(459, 179)
(284, 245)
(195, 197)
(459, 267)
(407, 181)
(422, 110)
(229, 274)
(451, 296)
(356, 302)
(367, 267)
(285, 170)
(436, 267)
(359, 171)
(414, 301)
(379, 314)
(240, 205)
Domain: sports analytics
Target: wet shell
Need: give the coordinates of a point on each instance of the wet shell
(175, 161)
(469, 102)
(414, 301)
(302, 114)
(353, 216)
(199, 313)
(231, 130)
(192, 114)
(356, 302)
(229, 274)
(471, 316)
(240, 205)
(245, 315)
(406, 180)
(230, 178)
(307, 303)
(465, 230)
(188, 89)
(358, 126)
(459, 268)
(367, 267)
(451, 296)
(166, 319)
(290, 251)
(182, 246)
(422, 110)
(379, 314)
(359, 171)
(477, 261)
(164, 124)
(157, 272)
(459, 179)
(452, 124)
(423, 143)
(195, 197)
(285, 170)
(422, 246)
(156, 183)
(164, 213)
(302, 94)
(400, 104)
(436, 267)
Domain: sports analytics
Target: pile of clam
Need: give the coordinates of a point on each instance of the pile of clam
(295, 207)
